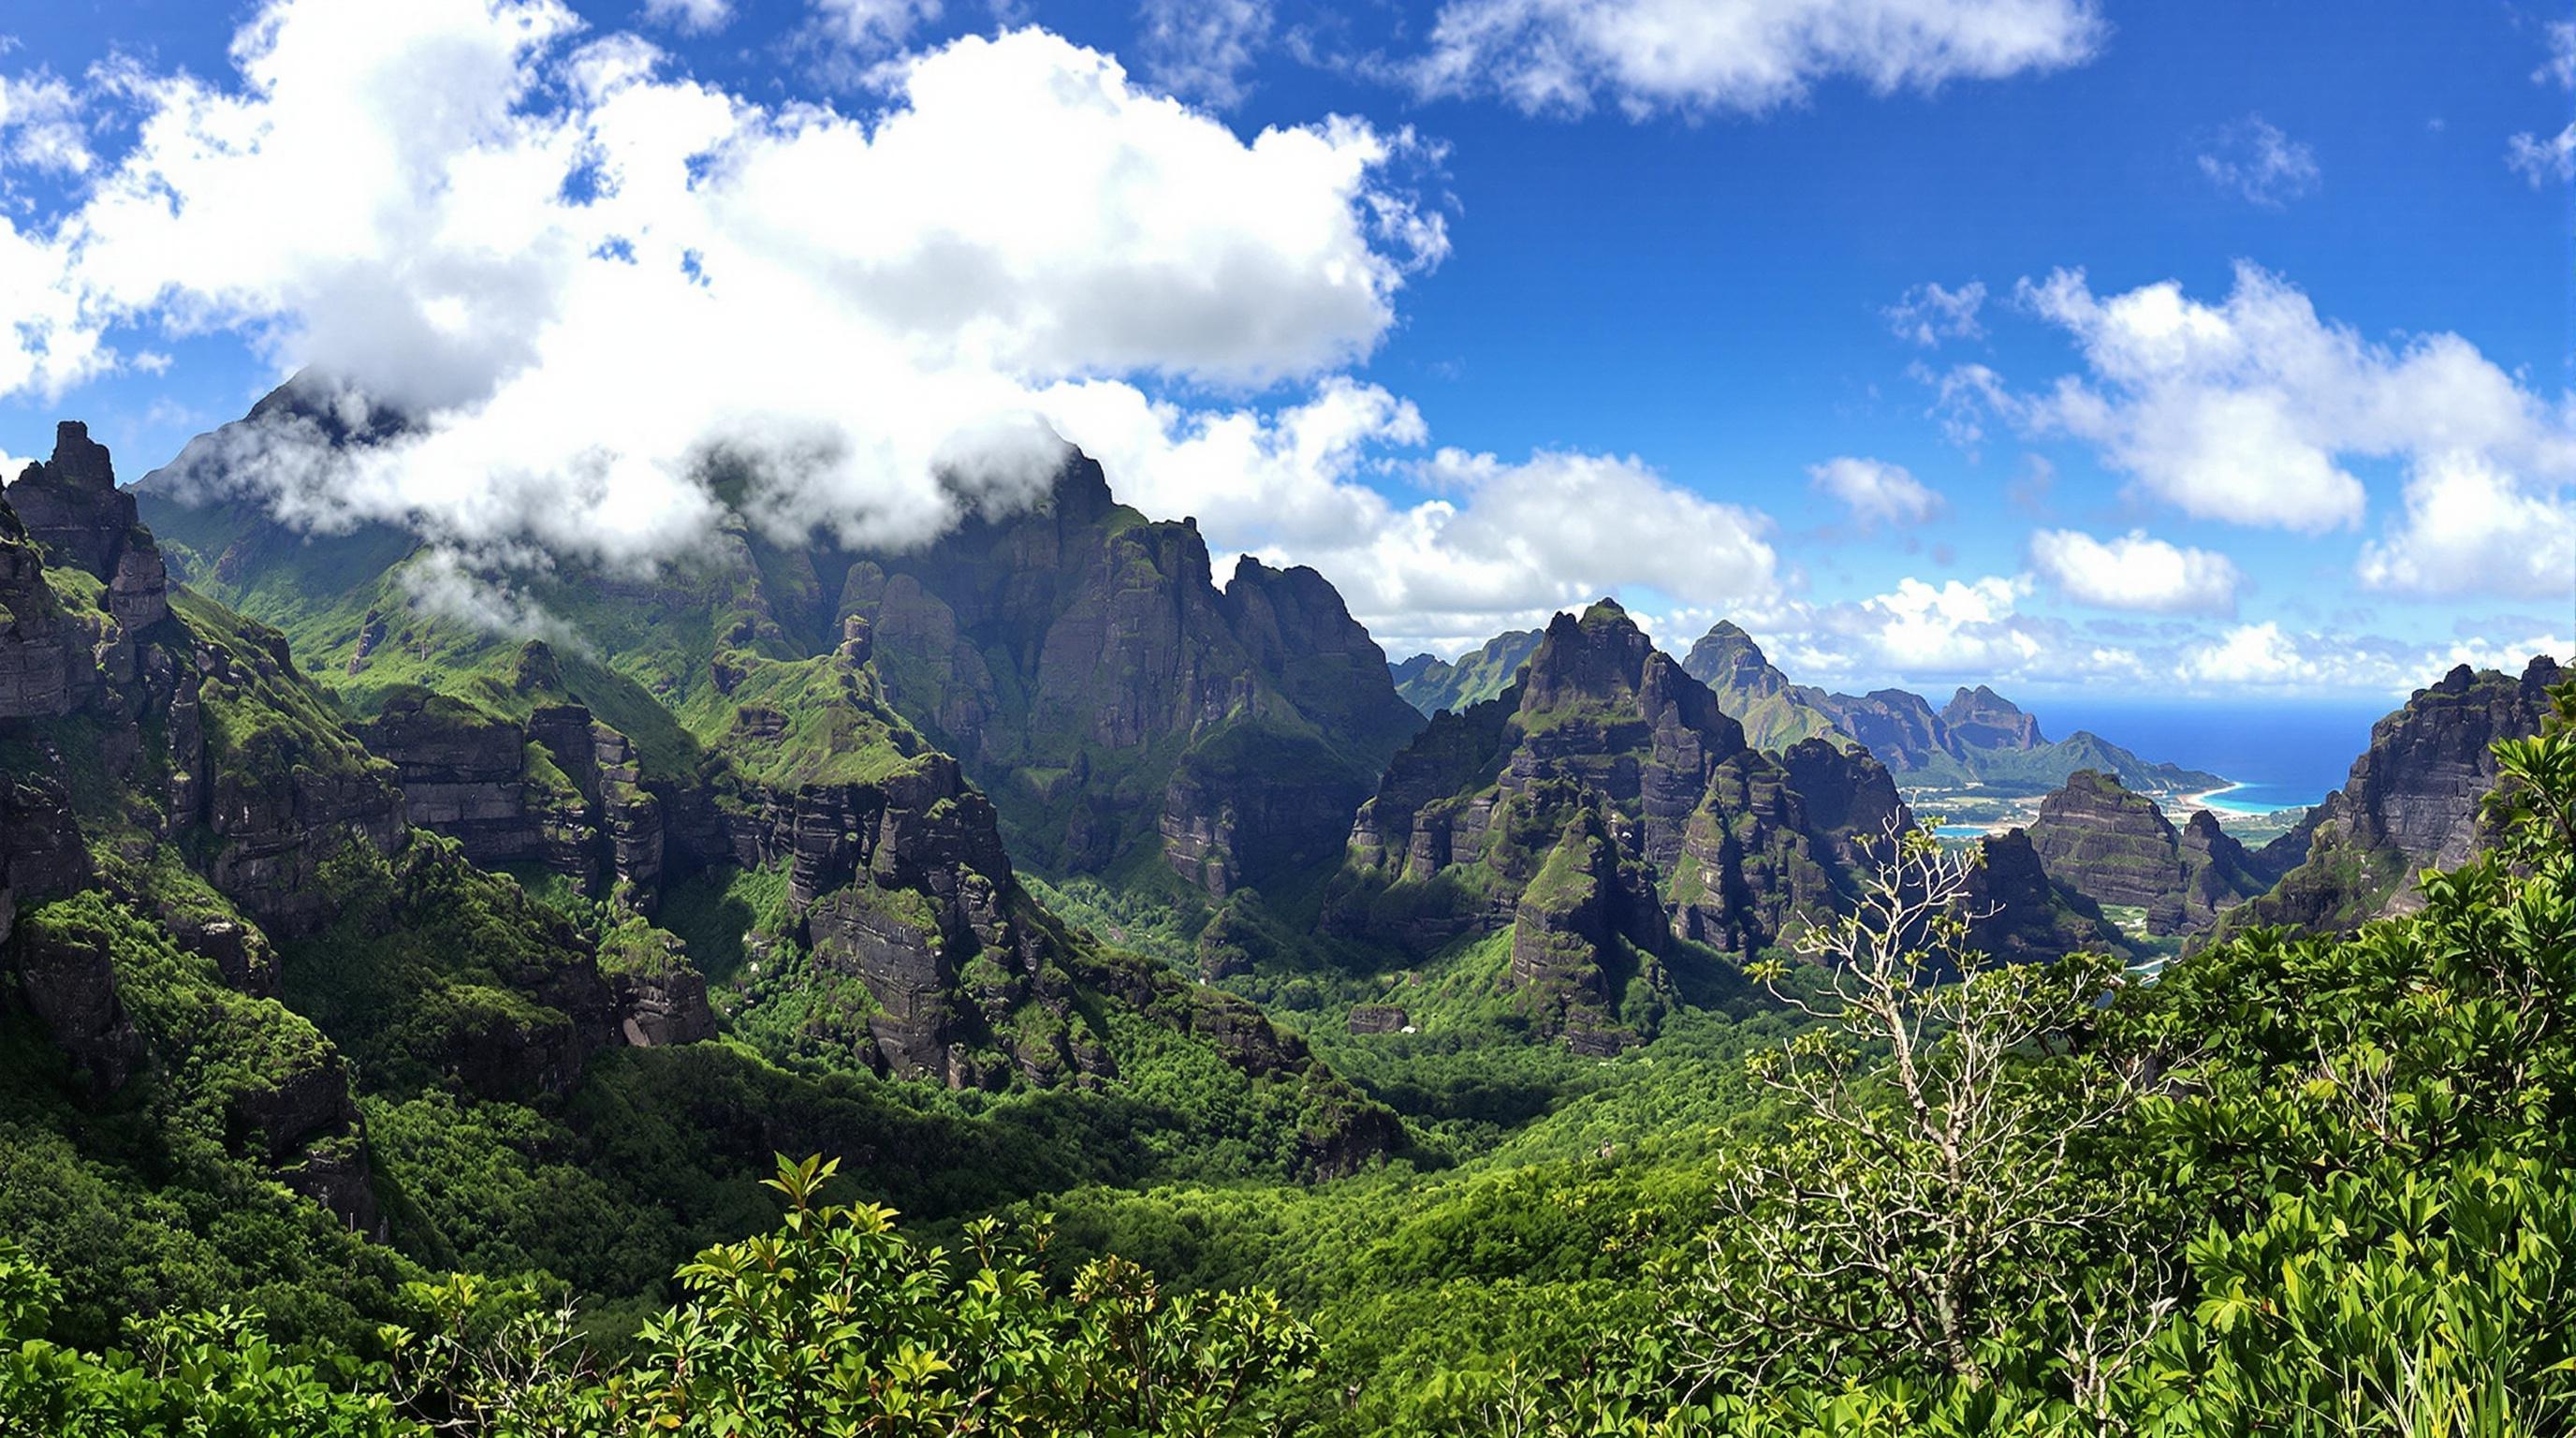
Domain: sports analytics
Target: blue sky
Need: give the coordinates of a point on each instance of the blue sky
(1650, 294)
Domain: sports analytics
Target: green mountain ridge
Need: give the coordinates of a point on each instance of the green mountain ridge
(276, 1035)
(417, 983)
(1122, 711)
(1432, 684)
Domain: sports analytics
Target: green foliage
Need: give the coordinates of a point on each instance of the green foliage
(834, 1322)
(838, 1323)
(2366, 1142)
(430, 970)
(165, 1196)
(213, 1373)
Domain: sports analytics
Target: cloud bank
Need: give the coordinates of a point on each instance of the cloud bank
(2135, 572)
(1744, 56)
(2256, 411)
(1875, 492)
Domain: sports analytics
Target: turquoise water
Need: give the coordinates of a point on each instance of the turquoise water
(2282, 755)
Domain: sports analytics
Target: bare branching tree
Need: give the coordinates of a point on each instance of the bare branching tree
(1927, 1198)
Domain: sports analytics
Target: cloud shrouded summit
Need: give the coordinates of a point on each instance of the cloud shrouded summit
(585, 273)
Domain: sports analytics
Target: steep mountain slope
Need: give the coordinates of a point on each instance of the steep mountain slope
(1125, 714)
(1607, 813)
(1774, 712)
(1978, 738)
(2025, 913)
(1123, 710)
(1431, 685)
(246, 975)
(2411, 802)
(188, 829)
(2117, 847)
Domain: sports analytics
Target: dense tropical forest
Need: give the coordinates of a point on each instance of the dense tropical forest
(1021, 987)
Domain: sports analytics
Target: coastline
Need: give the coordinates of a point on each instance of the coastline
(2200, 800)
(2178, 807)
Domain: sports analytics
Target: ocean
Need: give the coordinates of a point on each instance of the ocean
(2282, 755)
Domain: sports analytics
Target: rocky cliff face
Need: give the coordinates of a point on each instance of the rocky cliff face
(73, 510)
(2026, 915)
(1095, 681)
(128, 732)
(205, 716)
(557, 789)
(1605, 809)
(765, 705)
(40, 650)
(2116, 847)
(176, 797)
(1980, 718)
(2410, 804)
(1900, 728)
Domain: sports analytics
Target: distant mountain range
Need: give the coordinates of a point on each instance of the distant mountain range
(1432, 684)
(1978, 739)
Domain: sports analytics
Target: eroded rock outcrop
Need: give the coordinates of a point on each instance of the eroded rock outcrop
(1605, 808)
(39, 646)
(70, 984)
(557, 789)
(2118, 848)
(172, 785)
(1585, 927)
(2022, 914)
(1082, 662)
(2411, 803)
(72, 509)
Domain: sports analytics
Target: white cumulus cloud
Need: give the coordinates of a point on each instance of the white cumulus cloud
(2470, 528)
(1875, 491)
(1696, 56)
(2251, 410)
(2133, 571)
(2258, 654)
(590, 281)
(586, 295)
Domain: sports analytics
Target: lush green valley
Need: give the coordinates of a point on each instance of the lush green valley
(1020, 987)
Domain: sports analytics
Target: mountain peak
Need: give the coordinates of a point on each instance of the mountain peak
(79, 459)
(1601, 656)
(1726, 648)
(71, 506)
(1983, 719)
(1606, 610)
(1079, 493)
